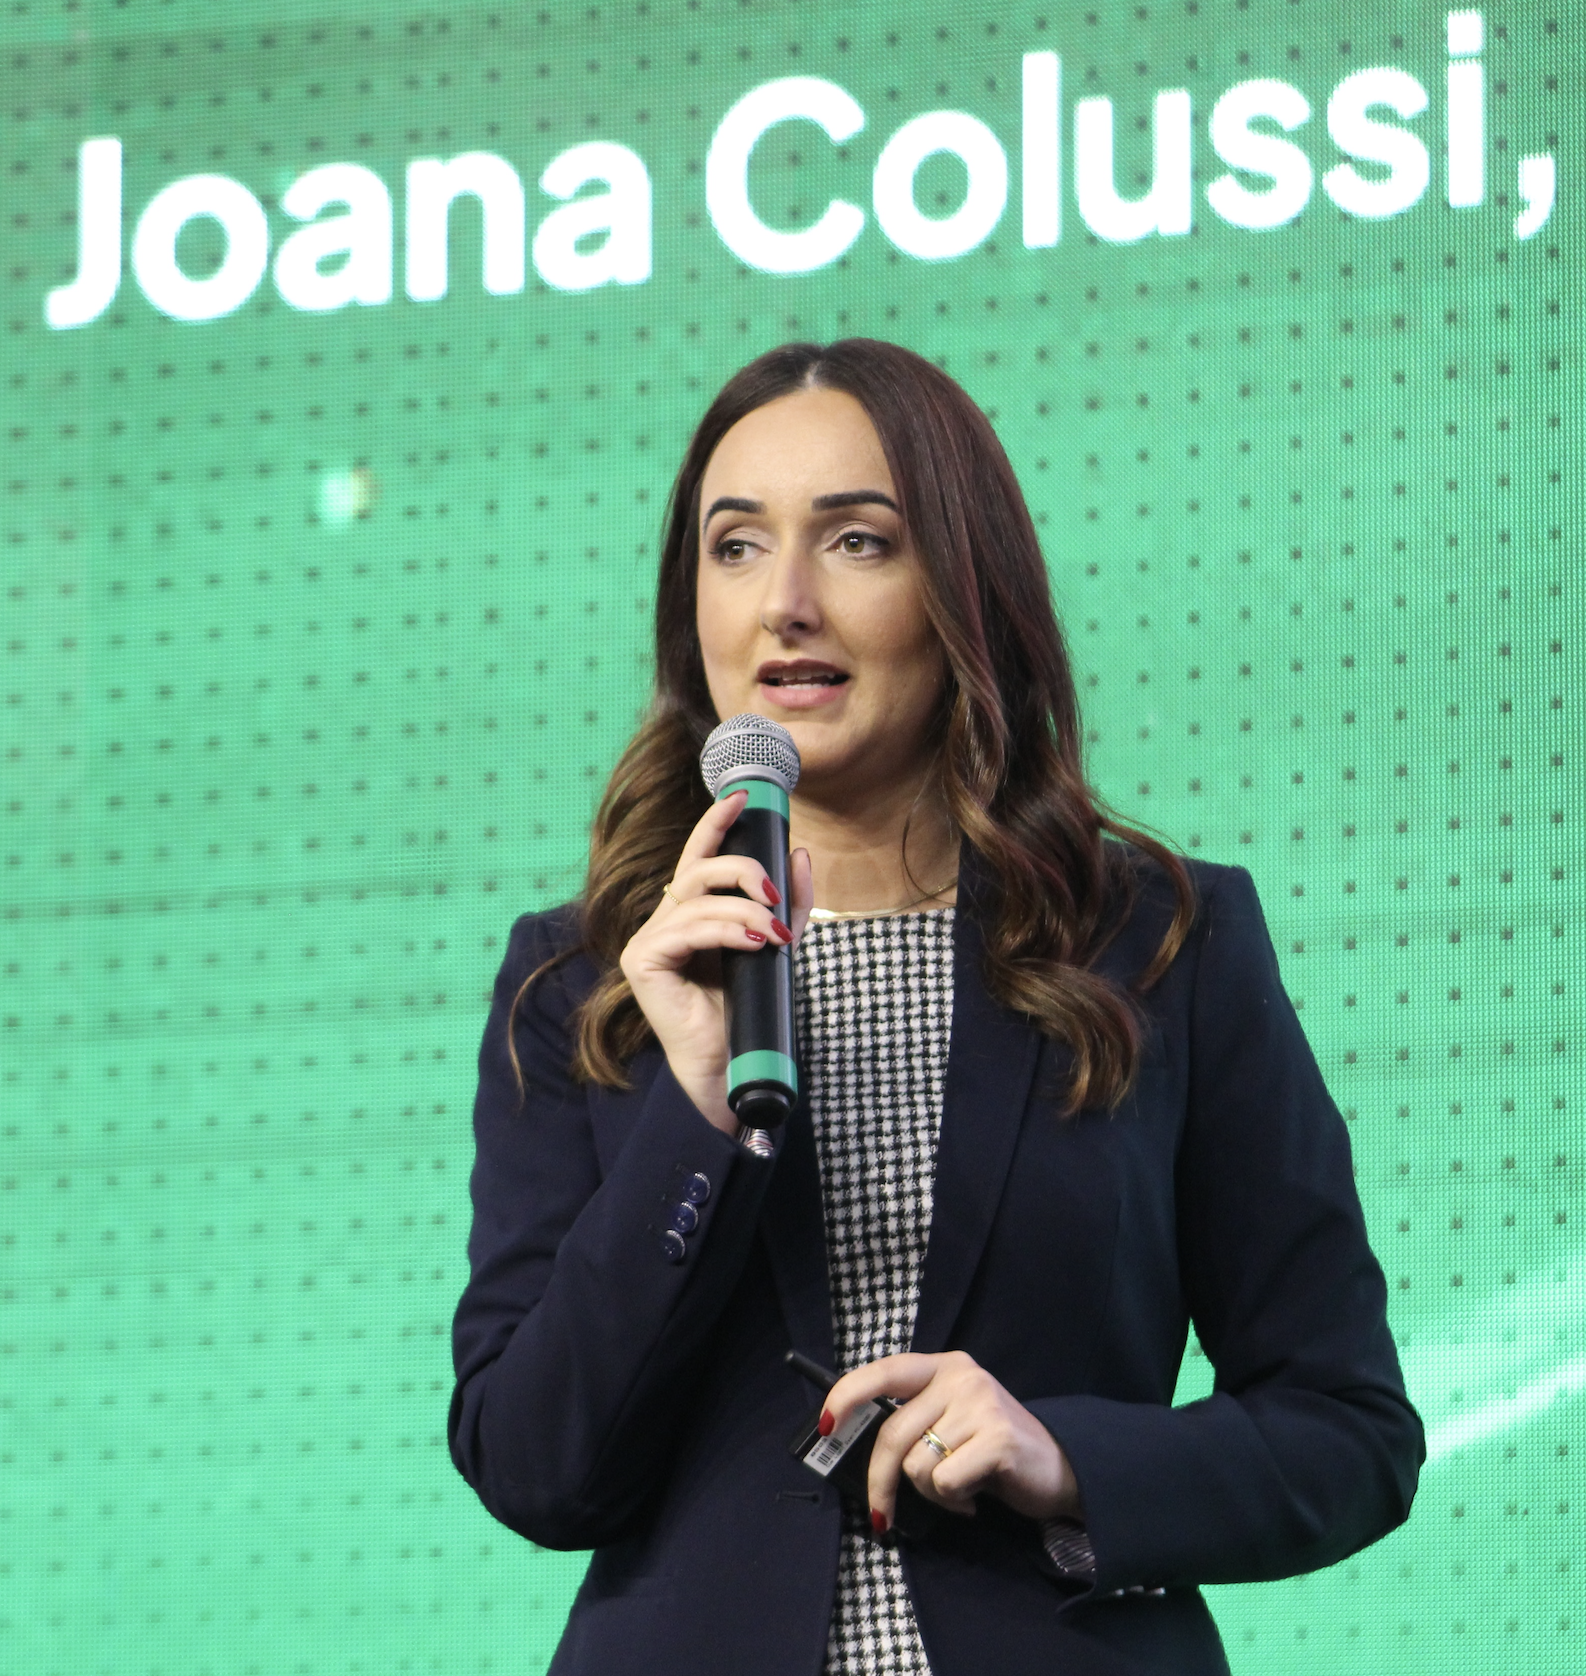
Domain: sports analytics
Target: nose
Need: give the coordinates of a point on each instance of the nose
(789, 605)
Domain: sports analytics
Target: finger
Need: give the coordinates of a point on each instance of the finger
(973, 1466)
(801, 885)
(922, 1465)
(895, 1442)
(902, 1437)
(728, 923)
(713, 826)
(892, 1376)
(719, 907)
(724, 873)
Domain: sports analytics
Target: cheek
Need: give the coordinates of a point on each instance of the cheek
(927, 676)
(716, 621)
(916, 651)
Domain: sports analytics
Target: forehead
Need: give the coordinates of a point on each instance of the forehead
(809, 443)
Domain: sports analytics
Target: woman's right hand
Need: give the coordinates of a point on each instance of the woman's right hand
(672, 965)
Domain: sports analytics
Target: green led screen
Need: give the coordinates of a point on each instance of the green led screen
(347, 356)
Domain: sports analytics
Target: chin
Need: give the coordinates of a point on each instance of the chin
(821, 762)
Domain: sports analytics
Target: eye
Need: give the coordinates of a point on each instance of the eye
(862, 543)
(731, 551)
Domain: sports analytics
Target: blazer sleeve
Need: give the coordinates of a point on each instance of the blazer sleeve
(576, 1335)
(1308, 1448)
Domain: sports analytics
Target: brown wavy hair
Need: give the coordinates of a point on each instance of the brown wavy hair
(1062, 869)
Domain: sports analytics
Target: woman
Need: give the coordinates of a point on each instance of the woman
(1057, 1108)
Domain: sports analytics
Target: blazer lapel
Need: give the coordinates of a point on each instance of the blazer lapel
(793, 1226)
(990, 1064)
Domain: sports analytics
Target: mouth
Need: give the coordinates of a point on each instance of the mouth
(805, 674)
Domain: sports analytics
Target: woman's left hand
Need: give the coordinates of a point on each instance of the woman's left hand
(994, 1443)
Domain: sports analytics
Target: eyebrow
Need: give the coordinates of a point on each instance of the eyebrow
(821, 503)
(733, 503)
(852, 497)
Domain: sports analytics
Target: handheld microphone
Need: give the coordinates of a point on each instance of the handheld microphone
(750, 753)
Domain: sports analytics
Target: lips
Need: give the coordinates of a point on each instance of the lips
(803, 673)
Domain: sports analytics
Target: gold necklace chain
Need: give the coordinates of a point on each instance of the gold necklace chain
(822, 915)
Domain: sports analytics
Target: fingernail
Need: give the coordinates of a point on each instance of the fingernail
(754, 936)
(827, 1423)
(772, 894)
(781, 931)
(878, 1521)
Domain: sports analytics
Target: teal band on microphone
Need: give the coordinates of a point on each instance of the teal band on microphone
(763, 794)
(763, 1065)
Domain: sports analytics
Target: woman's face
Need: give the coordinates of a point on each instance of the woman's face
(809, 598)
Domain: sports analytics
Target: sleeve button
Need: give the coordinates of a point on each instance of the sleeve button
(685, 1219)
(673, 1247)
(697, 1188)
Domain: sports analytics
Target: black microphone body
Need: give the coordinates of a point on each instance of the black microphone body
(748, 753)
(759, 985)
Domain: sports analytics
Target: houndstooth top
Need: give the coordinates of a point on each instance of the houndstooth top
(875, 1007)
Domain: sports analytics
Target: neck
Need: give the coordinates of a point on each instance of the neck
(857, 850)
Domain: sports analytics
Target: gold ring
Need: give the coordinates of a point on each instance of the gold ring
(932, 1441)
(666, 890)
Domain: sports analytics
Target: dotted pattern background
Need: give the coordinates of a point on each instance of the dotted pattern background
(275, 779)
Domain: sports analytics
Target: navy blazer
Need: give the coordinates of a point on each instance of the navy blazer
(609, 1398)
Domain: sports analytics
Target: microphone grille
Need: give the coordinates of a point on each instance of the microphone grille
(753, 742)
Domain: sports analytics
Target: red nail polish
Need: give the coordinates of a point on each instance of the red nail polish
(781, 931)
(878, 1521)
(827, 1423)
(772, 894)
(754, 936)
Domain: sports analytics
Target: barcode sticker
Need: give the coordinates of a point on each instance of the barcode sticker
(830, 1450)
